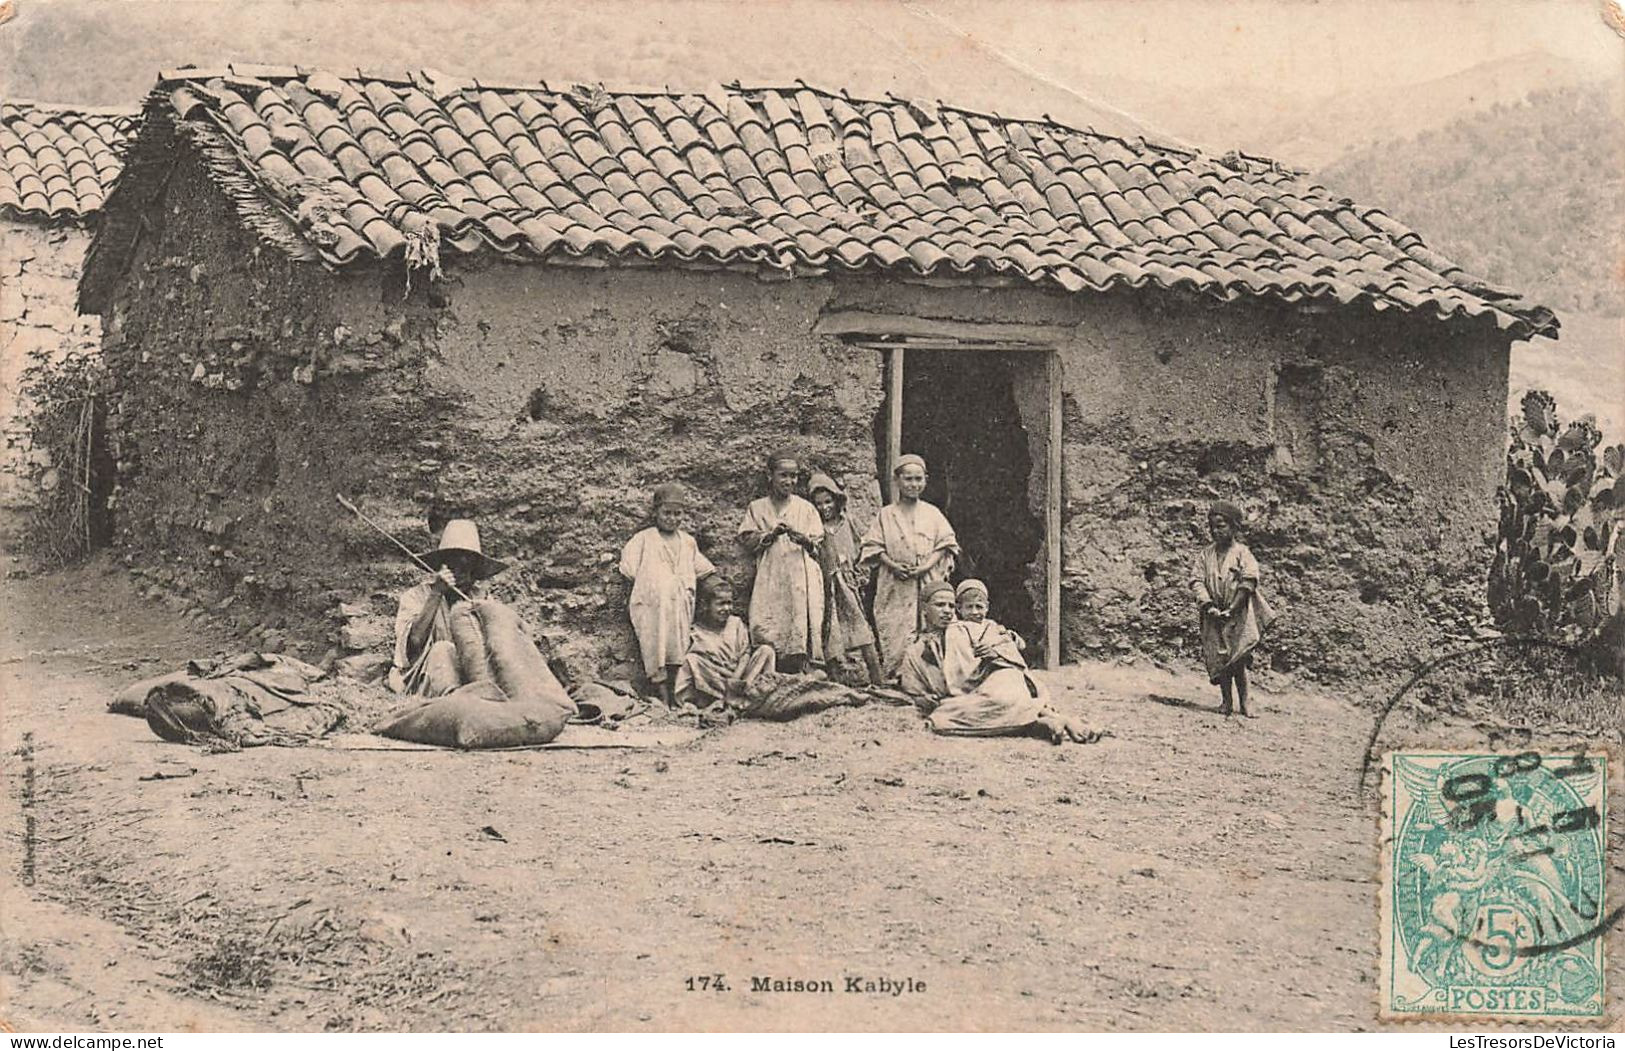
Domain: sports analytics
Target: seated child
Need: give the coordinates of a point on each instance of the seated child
(969, 678)
(664, 563)
(721, 664)
(991, 645)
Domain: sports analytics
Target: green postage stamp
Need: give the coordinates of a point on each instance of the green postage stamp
(1492, 889)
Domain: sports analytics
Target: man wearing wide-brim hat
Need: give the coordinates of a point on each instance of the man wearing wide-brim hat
(426, 661)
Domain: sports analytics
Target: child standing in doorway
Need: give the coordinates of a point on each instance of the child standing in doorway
(846, 625)
(915, 548)
(664, 564)
(1233, 613)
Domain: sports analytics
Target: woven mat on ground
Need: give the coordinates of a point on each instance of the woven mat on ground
(573, 737)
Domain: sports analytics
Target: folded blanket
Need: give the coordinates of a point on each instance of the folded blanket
(247, 700)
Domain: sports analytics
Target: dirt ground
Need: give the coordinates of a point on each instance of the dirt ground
(1188, 872)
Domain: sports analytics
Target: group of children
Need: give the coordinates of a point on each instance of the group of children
(806, 607)
(806, 602)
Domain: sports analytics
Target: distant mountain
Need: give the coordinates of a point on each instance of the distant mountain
(1320, 135)
(1527, 195)
(110, 53)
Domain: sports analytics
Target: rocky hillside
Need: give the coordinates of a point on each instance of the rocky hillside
(1525, 194)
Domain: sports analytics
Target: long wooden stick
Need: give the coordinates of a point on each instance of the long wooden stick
(353, 509)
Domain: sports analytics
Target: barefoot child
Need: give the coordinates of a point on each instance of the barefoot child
(1234, 615)
(846, 625)
(966, 695)
(787, 599)
(915, 547)
(721, 663)
(663, 563)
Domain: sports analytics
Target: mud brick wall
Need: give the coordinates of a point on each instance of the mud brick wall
(577, 391)
(39, 272)
(1367, 450)
(1367, 453)
(241, 402)
(545, 403)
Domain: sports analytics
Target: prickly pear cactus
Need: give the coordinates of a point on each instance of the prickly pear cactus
(1558, 570)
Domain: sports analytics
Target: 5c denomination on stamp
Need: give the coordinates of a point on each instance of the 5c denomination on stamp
(1492, 890)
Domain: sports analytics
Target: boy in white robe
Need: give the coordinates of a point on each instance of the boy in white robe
(664, 564)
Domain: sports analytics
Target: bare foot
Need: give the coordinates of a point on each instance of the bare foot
(1058, 729)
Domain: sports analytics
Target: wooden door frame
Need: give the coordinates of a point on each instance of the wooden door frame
(934, 336)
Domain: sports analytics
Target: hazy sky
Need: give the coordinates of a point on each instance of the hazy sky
(1302, 44)
(1194, 68)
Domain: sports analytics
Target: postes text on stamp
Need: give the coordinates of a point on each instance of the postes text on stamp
(1492, 890)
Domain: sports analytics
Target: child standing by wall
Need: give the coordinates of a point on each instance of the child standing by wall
(663, 563)
(846, 625)
(915, 547)
(787, 598)
(1234, 614)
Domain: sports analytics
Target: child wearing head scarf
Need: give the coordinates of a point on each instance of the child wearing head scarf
(783, 531)
(846, 625)
(1233, 613)
(915, 547)
(663, 563)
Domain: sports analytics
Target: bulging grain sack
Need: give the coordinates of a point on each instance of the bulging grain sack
(513, 700)
(516, 663)
(473, 662)
(477, 715)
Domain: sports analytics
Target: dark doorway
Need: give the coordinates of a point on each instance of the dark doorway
(959, 412)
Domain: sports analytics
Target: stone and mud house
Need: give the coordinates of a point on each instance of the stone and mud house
(56, 163)
(529, 304)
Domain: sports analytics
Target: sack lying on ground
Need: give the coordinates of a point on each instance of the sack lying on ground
(780, 697)
(477, 715)
(132, 700)
(598, 702)
(248, 700)
(515, 700)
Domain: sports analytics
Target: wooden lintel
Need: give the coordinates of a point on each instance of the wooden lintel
(863, 323)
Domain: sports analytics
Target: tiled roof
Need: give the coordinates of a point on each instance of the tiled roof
(56, 162)
(352, 166)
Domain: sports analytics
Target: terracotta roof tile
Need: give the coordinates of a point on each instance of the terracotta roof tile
(56, 162)
(774, 178)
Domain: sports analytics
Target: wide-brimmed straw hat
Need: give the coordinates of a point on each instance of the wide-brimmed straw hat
(463, 535)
